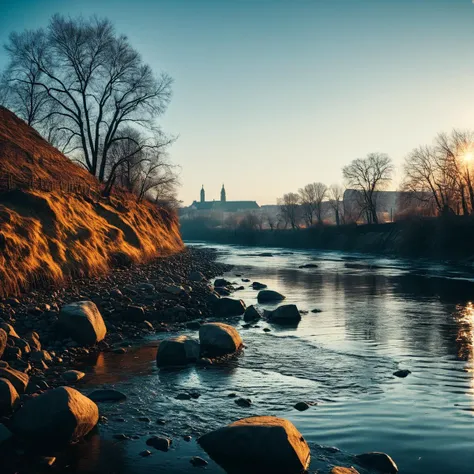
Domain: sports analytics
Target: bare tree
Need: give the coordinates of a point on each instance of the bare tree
(290, 209)
(336, 194)
(270, 219)
(440, 175)
(311, 199)
(93, 80)
(250, 222)
(367, 176)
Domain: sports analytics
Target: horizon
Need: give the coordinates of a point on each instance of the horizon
(310, 84)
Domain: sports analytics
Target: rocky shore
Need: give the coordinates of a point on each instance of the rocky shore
(45, 334)
(39, 351)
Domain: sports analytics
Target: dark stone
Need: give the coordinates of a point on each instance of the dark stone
(221, 282)
(402, 373)
(229, 307)
(183, 396)
(301, 406)
(267, 296)
(287, 313)
(244, 402)
(379, 461)
(159, 442)
(308, 265)
(258, 286)
(251, 314)
(134, 314)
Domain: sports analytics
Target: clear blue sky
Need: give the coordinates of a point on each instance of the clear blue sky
(272, 94)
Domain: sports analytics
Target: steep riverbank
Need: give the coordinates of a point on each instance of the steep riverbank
(55, 224)
(442, 238)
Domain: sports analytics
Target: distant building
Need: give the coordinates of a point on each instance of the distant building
(218, 209)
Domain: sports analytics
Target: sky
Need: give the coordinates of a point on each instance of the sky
(270, 95)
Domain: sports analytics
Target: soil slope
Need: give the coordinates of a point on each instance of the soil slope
(47, 237)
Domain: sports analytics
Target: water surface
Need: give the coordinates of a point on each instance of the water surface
(376, 315)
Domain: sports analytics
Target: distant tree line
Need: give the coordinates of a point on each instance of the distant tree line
(86, 90)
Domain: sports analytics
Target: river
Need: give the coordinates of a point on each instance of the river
(377, 315)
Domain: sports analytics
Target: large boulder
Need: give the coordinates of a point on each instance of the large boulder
(3, 342)
(229, 307)
(18, 379)
(177, 351)
(58, 416)
(83, 322)
(219, 339)
(258, 444)
(252, 314)
(8, 397)
(287, 313)
(220, 282)
(269, 296)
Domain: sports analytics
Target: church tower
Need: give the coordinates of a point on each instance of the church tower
(203, 194)
(223, 197)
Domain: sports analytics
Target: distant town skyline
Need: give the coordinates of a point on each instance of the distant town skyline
(270, 95)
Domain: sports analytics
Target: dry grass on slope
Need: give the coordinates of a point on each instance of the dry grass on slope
(23, 153)
(50, 237)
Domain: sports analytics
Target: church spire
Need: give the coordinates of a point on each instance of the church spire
(203, 194)
(223, 196)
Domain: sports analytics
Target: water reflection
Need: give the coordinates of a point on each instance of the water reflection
(395, 314)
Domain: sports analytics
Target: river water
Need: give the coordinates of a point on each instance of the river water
(377, 315)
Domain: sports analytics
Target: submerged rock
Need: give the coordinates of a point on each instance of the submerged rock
(301, 406)
(243, 402)
(258, 444)
(402, 373)
(83, 322)
(177, 351)
(379, 461)
(267, 296)
(159, 442)
(59, 416)
(308, 265)
(229, 307)
(284, 314)
(219, 339)
(258, 286)
(221, 282)
(252, 314)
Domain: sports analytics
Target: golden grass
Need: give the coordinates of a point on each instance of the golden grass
(49, 237)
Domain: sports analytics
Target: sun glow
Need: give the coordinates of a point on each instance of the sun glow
(468, 156)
